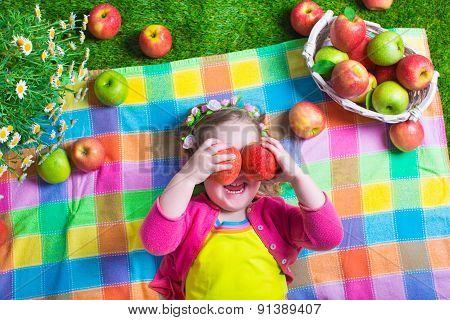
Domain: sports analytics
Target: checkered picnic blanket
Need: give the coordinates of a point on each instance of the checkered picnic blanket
(79, 239)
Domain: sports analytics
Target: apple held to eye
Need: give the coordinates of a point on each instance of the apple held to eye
(258, 163)
(304, 16)
(407, 136)
(306, 120)
(226, 177)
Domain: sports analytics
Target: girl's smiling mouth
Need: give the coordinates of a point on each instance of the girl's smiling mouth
(235, 187)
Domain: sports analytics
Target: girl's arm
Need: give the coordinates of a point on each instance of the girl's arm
(306, 190)
(314, 224)
(165, 226)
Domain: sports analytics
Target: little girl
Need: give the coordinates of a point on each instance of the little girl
(235, 241)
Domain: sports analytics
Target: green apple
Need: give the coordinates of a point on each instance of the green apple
(386, 49)
(111, 88)
(390, 98)
(56, 168)
(331, 54)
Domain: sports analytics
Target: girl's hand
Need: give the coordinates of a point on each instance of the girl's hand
(289, 169)
(205, 161)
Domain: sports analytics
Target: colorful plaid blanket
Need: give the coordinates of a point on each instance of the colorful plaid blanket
(79, 239)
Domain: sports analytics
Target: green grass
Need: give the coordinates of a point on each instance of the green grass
(207, 27)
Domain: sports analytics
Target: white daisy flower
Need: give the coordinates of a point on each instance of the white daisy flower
(18, 41)
(44, 55)
(85, 22)
(63, 25)
(60, 69)
(82, 37)
(84, 93)
(62, 125)
(51, 33)
(39, 148)
(27, 162)
(78, 95)
(22, 177)
(60, 50)
(14, 141)
(51, 45)
(52, 135)
(72, 45)
(21, 89)
(26, 47)
(72, 19)
(35, 128)
(86, 54)
(49, 107)
(37, 13)
(3, 169)
(4, 134)
(70, 67)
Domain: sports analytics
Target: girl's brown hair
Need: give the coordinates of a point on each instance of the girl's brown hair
(204, 128)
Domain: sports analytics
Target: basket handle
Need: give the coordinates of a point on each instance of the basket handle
(417, 112)
(310, 47)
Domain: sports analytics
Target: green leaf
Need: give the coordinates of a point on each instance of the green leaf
(369, 99)
(349, 13)
(208, 112)
(323, 66)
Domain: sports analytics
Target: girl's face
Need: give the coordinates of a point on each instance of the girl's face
(240, 193)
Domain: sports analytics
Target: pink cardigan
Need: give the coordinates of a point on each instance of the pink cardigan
(283, 228)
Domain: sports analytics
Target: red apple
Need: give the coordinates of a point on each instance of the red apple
(360, 54)
(155, 41)
(377, 4)
(306, 119)
(407, 135)
(349, 79)
(88, 154)
(414, 72)
(104, 21)
(385, 73)
(372, 85)
(3, 231)
(346, 35)
(258, 163)
(304, 16)
(226, 177)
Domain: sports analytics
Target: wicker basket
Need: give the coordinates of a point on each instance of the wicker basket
(319, 37)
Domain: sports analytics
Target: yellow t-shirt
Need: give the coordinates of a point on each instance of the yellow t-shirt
(235, 264)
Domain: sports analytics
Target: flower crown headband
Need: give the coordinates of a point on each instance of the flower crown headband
(200, 112)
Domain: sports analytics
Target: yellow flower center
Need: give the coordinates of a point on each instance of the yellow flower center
(20, 89)
(27, 47)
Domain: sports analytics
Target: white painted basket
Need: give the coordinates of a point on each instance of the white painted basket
(418, 100)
